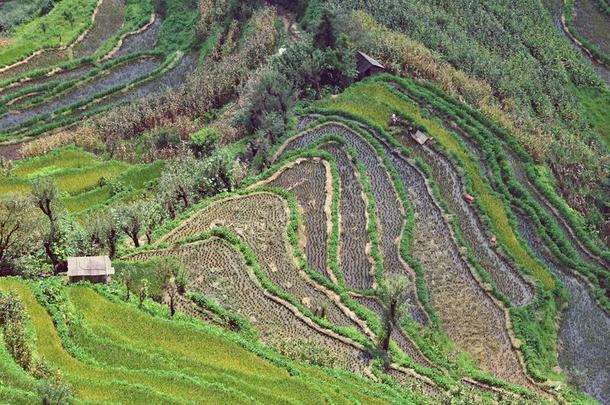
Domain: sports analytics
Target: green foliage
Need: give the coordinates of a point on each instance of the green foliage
(145, 355)
(204, 141)
(12, 325)
(152, 277)
(178, 29)
(55, 391)
(568, 10)
(50, 30)
(230, 320)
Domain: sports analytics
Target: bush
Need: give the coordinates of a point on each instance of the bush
(55, 391)
(166, 139)
(203, 141)
(12, 324)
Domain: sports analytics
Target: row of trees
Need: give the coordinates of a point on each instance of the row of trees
(36, 233)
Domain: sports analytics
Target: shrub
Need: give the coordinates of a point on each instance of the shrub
(55, 391)
(12, 324)
(203, 141)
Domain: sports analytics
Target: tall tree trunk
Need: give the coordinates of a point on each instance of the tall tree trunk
(135, 239)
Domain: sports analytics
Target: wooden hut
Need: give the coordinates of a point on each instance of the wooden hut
(97, 269)
(367, 66)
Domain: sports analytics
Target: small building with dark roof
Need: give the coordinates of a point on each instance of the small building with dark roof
(367, 66)
(96, 269)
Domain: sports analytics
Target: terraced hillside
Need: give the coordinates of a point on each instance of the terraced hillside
(285, 227)
(87, 182)
(214, 365)
(123, 45)
(303, 252)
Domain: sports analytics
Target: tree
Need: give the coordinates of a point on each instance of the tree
(177, 182)
(203, 141)
(131, 220)
(154, 217)
(45, 196)
(173, 279)
(215, 175)
(325, 34)
(266, 97)
(304, 64)
(129, 281)
(104, 230)
(143, 293)
(17, 228)
(393, 296)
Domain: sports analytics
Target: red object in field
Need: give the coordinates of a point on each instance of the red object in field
(468, 198)
(493, 240)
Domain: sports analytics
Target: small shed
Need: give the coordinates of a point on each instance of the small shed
(420, 137)
(97, 269)
(367, 66)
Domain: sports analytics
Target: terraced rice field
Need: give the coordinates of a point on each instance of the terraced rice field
(310, 184)
(86, 181)
(355, 245)
(389, 210)
(59, 86)
(584, 350)
(210, 366)
(217, 271)
(304, 252)
(260, 220)
(593, 23)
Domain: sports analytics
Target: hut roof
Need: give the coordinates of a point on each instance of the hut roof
(420, 137)
(371, 60)
(90, 266)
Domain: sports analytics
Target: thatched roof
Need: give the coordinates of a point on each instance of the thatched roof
(89, 266)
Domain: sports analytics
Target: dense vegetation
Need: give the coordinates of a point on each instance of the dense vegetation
(277, 233)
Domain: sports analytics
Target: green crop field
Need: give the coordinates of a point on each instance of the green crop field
(313, 201)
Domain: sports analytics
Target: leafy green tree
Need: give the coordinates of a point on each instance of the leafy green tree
(215, 175)
(203, 141)
(177, 183)
(104, 229)
(325, 36)
(173, 279)
(132, 219)
(267, 96)
(393, 296)
(304, 64)
(154, 217)
(45, 196)
(18, 229)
